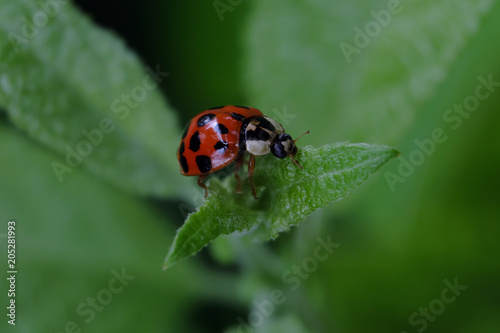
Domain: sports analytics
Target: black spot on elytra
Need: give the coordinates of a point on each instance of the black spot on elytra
(258, 135)
(237, 116)
(184, 163)
(182, 159)
(217, 107)
(204, 163)
(221, 145)
(205, 119)
(194, 142)
(243, 107)
(222, 129)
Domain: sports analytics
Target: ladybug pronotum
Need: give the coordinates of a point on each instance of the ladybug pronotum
(218, 136)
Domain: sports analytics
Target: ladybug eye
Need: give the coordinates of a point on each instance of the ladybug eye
(285, 137)
(278, 150)
(283, 146)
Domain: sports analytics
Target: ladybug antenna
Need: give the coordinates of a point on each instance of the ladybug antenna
(291, 156)
(295, 162)
(306, 132)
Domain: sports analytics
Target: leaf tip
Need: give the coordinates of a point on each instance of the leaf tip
(396, 152)
(391, 151)
(170, 259)
(169, 262)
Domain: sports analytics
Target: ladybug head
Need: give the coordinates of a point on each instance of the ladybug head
(283, 146)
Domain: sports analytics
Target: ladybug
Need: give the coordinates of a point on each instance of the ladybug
(216, 137)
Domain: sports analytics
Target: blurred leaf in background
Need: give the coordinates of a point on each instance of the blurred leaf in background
(416, 69)
(77, 90)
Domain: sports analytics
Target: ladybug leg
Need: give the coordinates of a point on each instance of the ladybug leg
(251, 168)
(200, 183)
(237, 165)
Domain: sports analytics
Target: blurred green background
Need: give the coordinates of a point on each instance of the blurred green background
(402, 235)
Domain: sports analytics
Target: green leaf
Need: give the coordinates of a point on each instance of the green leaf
(287, 195)
(78, 90)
